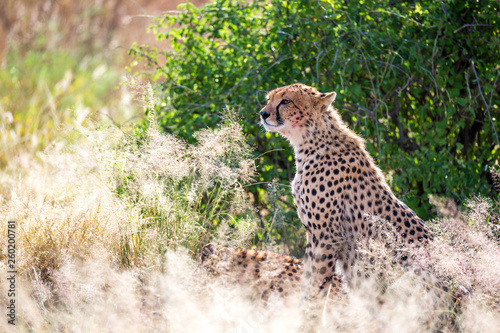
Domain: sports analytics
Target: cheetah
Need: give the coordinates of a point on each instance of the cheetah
(266, 272)
(337, 184)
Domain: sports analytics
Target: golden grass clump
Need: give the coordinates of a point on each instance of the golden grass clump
(93, 295)
(466, 252)
(133, 196)
(62, 208)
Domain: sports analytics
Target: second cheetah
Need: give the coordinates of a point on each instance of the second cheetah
(265, 272)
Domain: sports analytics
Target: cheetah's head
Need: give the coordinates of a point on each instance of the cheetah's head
(291, 109)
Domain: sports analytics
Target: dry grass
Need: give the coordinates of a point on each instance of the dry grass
(93, 295)
(134, 195)
(96, 217)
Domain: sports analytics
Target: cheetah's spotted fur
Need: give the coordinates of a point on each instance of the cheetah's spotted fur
(336, 181)
(266, 272)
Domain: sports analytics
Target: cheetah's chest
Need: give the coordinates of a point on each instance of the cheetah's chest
(319, 190)
(312, 197)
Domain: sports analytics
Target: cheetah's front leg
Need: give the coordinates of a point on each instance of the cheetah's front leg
(321, 258)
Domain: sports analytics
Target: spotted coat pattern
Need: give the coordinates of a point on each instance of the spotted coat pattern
(266, 272)
(336, 181)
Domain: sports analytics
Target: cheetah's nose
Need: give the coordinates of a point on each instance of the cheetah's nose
(264, 114)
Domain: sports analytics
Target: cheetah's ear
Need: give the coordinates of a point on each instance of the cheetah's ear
(208, 250)
(328, 98)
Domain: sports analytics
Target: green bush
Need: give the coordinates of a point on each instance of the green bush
(418, 80)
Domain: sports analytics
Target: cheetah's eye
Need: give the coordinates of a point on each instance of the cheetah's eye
(286, 101)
